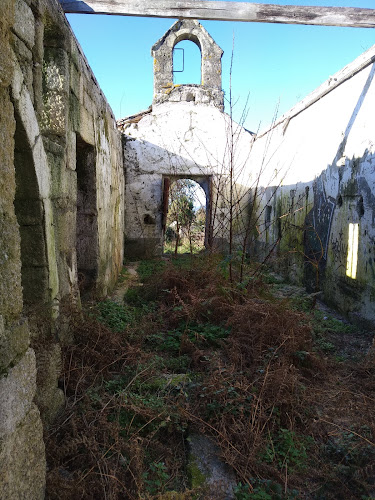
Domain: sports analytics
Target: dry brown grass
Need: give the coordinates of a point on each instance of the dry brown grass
(265, 379)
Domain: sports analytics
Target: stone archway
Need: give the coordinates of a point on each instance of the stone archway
(209, 91)
(30, 217)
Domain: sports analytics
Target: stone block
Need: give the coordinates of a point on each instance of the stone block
(55, 70)
(48, 362)
(29, 212)
(33, 246)
(7, 127)
(74, 112)
(67, 237)
(54, 113)
(10, 267)
(14, 342)
(22, 460)
(35, 284)
(71, 146)
(24, 23)
(86, 128)
(48, 397)
(6, 9)
(75, 80)
(24, 56)
(6, 61)
(88, 103)
(25, 108)
(207, 469)
(50, 402)
(17, 390)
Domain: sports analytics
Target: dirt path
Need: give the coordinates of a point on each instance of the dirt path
(129, 279)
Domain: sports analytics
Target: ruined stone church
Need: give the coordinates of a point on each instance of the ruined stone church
(78, 190)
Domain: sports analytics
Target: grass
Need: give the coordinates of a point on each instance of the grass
(189, 352)
(148, 268)
(114, 315)
(184, 247)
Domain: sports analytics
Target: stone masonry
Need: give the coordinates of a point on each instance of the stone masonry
(63, 222)
(197, 146)
(61, 193)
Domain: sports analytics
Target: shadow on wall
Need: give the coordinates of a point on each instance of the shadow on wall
(326, 242)
(87, 217)
(322, 231)
(74, 5)
(29, 212)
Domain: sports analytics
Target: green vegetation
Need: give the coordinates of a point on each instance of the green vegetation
(264, 489)
(156, 478)
(323, 323)
(287, 450)
(149, 268)
(114, 315)
(201, 335)
(189, 351)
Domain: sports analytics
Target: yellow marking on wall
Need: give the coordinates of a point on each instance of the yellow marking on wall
(352, 260)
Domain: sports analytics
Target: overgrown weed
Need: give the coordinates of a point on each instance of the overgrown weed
(188, 350)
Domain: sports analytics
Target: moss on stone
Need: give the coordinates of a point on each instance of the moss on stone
(74, 112)
(196, 477)
(10, 268)
(14, 342)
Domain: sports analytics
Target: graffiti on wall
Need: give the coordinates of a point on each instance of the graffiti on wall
(318, 224)
(339, 249)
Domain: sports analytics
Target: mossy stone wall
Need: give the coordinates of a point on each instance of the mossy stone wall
(49, 99)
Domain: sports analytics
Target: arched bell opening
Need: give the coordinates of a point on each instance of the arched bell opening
(187, 63)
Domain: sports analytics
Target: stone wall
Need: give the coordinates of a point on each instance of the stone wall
(319, 189)
(61, 192)
(184, 134)
(209, 91)
(197, 146)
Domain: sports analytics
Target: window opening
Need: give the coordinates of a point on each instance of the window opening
(186, 55)
(352, 260)
(268, 214)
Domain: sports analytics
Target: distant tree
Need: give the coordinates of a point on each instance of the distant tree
(181, 212)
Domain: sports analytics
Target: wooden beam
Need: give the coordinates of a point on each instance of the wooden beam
(218, 10)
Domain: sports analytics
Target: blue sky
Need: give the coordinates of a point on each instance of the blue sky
(276, 65)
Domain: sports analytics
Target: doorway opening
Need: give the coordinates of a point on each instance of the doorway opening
(185, 221)
(87, 243)
(29, 212)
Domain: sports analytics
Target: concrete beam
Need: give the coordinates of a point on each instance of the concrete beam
(219, 10)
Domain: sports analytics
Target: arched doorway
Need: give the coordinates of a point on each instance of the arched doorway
(30, 217)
